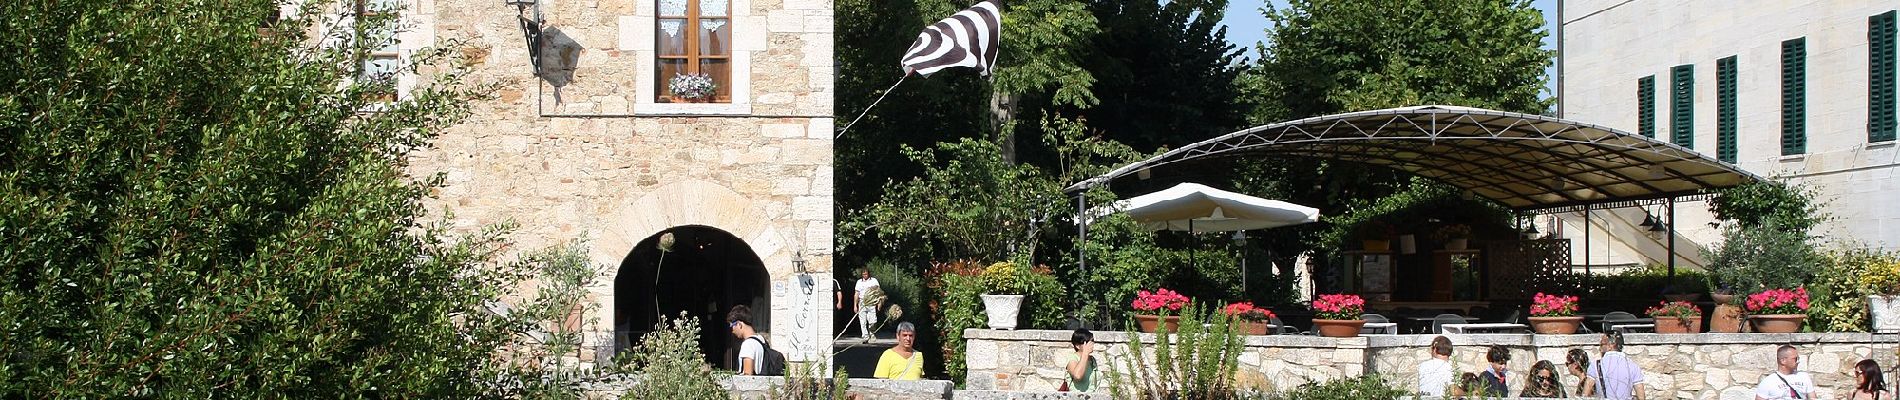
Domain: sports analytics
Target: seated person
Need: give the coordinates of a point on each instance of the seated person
(901, 362)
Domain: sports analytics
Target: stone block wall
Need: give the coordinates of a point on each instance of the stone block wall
(1701, 366)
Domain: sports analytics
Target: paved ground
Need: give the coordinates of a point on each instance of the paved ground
(859, 358)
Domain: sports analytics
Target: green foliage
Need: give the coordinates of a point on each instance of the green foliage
(1198, 362)
(1005, 278)
(969, 203)
(1760, 204)
(903, 289)
(1412, 210)
(1646, 284)
(1165, 73)
(670, 365)
(1369, 386)
(194, 209)
(1752, 259)
(957, 304)
(1840, 288)
(807, 383)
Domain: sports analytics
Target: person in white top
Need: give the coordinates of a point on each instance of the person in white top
(751, 352)
(1785, 382)
(869, 298)
(1435, 374)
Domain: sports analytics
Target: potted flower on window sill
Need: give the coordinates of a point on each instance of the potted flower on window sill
(1778, 310)
(1003, 297)
(1883, 306)
(1554, 315)
(1151, 309)
(1375, 236)
(1249, 320)
(1455, 236)
(692, 88)
(1676, 317)
(1339, 315)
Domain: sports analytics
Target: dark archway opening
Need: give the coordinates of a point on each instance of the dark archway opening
(707, 272)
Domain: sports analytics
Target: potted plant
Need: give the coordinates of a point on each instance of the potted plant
(1778, 310)
(1147, 304)
(1455, 236)
(696, 88)
(1883, 307)
(1248, 319)
(1004, 287)
(1554, 314)
(1338, 315)
(1375, 236)
(1676, 317)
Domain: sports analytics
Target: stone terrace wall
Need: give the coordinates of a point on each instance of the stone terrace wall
(1030, 360)
(1702, 366)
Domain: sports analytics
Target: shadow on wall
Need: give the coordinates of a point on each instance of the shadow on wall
(560, 55)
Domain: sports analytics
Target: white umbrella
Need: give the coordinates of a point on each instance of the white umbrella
(1194, 207)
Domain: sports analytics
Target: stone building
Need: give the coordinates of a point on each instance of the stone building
(597, 145)
(1797, 91)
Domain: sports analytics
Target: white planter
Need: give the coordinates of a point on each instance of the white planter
(1002, 309)
(1885, 311)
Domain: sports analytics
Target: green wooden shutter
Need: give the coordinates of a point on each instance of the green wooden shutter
(1646, 106)
(1794, 96)
(1880, 78)
(1682, 106)
(1725, 109)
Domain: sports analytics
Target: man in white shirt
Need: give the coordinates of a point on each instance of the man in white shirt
(1785, 382)
(1618, 377)
(751, 345)
(1434, 375)
(870, 297)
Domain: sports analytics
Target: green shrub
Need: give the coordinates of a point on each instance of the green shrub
(1841, 287)
(957, 289)
(1761, 204)
(1647, 283)
(1752, 259)
(1198, 362)
(903, 290)
(670, 366)
(1369, 386)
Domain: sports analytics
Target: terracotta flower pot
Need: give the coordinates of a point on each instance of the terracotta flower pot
(1679, 325)
(1778, 323)
(1727, 319)
(1250, 328)
(1338, 327)
(1722, 298)
(1149, 322)
(1555, 325)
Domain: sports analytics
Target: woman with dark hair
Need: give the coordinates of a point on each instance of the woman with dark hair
(1543, 382)
(1868, 383)
(1080, 369)
(1578, 361)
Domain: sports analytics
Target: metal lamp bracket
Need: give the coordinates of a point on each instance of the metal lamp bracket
(531, 30)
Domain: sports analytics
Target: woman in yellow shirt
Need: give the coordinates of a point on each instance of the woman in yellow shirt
(901, 362)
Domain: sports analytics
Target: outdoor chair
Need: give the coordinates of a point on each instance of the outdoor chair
(1281, 327)
(1438, 322)
(1615, 318)
(1370, 317)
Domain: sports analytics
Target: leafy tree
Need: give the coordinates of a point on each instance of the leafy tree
(1165, 73)
(1757, 204)
(197, 207)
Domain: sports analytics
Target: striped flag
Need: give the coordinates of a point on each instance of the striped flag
(966, 39)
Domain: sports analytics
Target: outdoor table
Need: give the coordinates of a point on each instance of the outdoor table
(1625, 328)
(1495, 326)
(1611, 324)
(1389, 328)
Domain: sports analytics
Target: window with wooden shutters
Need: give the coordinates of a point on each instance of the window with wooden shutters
(1682, 106)
(695, 44)
(1725, 140)
(376, 23)
(1646, 106)
(1881, 87)
(1794, 96)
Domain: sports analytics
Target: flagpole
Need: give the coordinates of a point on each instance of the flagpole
(867, 109)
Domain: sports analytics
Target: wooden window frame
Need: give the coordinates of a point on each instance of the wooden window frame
(1794, 96)
(1725, 110)
(1646, 106)
(693, 57)
(1682, 106)
(1883, 120)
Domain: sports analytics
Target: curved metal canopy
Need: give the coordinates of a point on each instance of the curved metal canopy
(1523, 161)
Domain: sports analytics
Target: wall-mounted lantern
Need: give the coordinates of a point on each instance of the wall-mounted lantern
(530, 28)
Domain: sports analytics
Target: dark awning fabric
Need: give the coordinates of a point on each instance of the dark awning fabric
(1525, 162)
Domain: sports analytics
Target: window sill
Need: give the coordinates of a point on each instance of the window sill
(1879, 145)
(687, 109)
(1792, 158)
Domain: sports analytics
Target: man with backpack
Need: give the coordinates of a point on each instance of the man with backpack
(756, 357)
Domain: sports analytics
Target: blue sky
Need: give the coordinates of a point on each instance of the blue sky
(1245, 26)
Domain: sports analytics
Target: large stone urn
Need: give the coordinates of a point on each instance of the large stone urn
(1885, 312)
(1002, 310)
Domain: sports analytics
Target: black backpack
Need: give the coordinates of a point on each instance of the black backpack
(773, 363)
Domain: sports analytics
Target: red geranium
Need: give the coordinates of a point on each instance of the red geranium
(1550, 305)
(1778, 301)
(1245, 311)
(1339, 306)
(1159, 299)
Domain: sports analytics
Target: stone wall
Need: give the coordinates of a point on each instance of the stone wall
(1703, 366)
(759, 387)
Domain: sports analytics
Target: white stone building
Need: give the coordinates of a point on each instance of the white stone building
(596, 145)
(1796, 91)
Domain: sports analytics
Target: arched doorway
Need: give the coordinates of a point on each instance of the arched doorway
(707, 272)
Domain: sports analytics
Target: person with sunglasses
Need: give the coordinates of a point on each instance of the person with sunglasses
(1577, 361)
(1869, 384)
(751, 351)
(1786, 383)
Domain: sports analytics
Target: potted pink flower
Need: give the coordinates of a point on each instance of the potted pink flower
(1554, 314)
(1338, 315)
(1147, 304)
(1676, 317)
(1247, 318)
(1778, 310)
